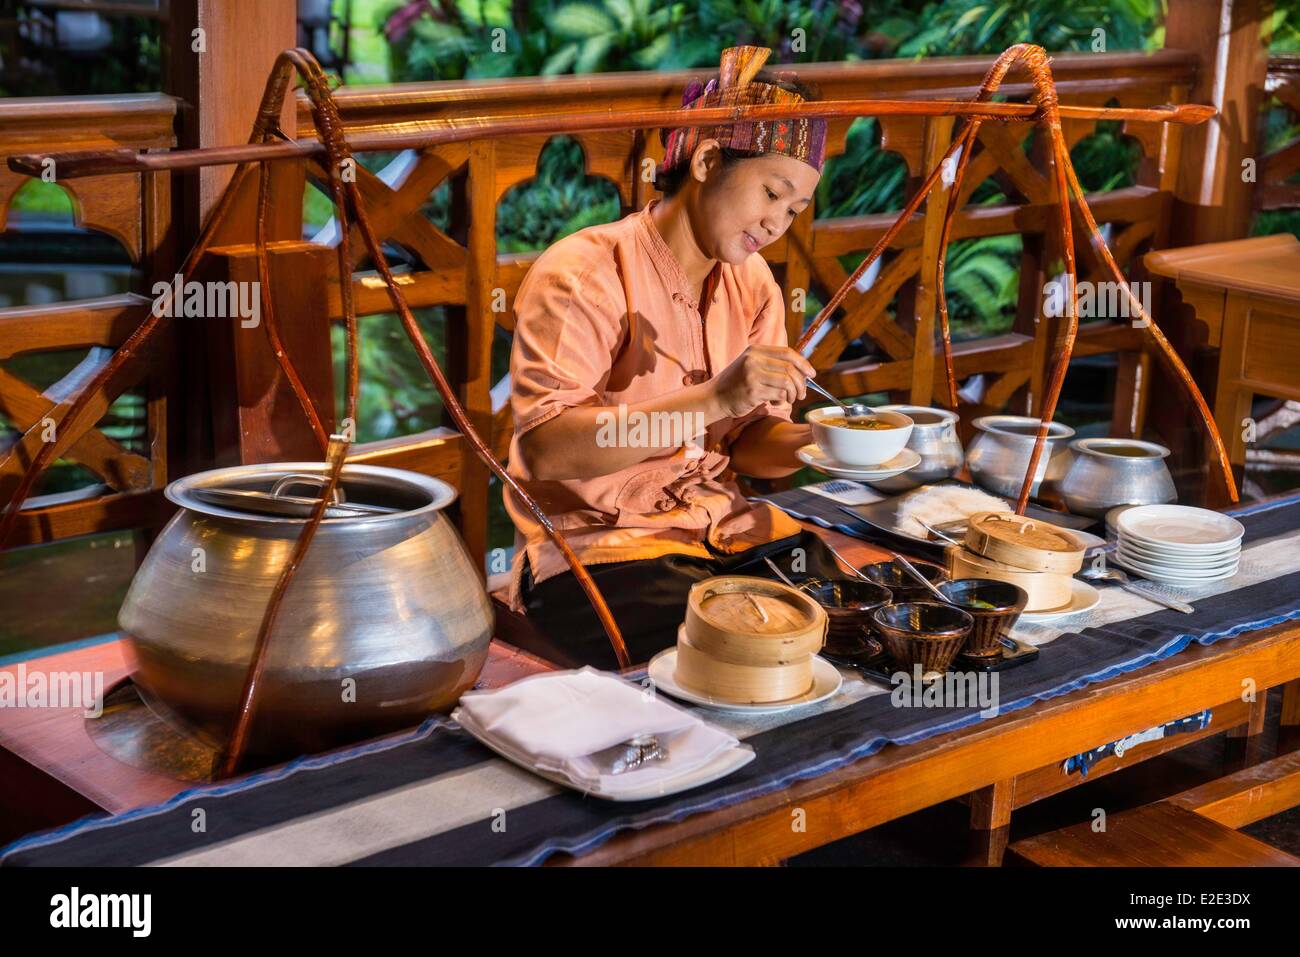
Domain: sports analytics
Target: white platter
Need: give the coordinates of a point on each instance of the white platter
(1082, 598)
(1179, 526)
(812, 455)
(826, 681)
(722, 764)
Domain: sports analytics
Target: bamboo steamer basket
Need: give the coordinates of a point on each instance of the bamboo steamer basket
(1026, 543)
(1047, 591)
(748, 640)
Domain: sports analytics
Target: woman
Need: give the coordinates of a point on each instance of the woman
(650, 361)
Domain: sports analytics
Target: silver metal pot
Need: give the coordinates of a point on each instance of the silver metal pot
(1110, 472)
(934, 438)
(998, 458)
(385, 622)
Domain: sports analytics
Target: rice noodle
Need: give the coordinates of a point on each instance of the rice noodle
(942, 503)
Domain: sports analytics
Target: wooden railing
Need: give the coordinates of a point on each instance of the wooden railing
(135, 210)
(461, 269)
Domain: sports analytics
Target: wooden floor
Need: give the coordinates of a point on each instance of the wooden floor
(939, 835)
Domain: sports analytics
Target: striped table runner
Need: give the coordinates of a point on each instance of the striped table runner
(435, 796)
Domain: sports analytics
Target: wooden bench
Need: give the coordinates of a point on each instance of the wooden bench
(1197, 828)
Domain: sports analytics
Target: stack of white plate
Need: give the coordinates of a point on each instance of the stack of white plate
(1177, 544)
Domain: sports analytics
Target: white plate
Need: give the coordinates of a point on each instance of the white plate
(722, 764)
(1179, 526)
(812, 455)
(1172, 561)
(1082, 597)
(1176, 576)
(826, 681)
(1177, 579)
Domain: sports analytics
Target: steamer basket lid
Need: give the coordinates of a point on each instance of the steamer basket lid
(1024, 542)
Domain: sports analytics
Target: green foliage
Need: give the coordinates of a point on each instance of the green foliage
(981, 278)
(560, 200)
(1106, 160)
(960, 27)
(395, 396)
(865, 179)
(473, 40)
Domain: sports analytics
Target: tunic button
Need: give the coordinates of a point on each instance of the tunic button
(664, 505)
(694, 377)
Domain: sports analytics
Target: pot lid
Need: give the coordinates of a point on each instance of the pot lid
(1024, 542)
(288, 491)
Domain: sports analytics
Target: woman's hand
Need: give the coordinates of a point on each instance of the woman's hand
(761, 374)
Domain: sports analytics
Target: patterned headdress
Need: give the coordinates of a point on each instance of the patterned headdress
(804, 139)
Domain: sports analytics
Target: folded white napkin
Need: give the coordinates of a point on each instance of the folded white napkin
(558, 720)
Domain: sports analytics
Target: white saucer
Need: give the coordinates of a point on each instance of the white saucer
(812, 454)
(1169, 567)
(826, 681)
(1173, 558)
(722, 764)
(1082, 597)
(1178, 578)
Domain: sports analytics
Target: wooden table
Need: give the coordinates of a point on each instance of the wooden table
(1000, 764)
(1247, 292)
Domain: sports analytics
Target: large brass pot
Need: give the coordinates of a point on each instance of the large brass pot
(385, 622)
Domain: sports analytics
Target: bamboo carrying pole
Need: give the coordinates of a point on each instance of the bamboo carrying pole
(268, 143)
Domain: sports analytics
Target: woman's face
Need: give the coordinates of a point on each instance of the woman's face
(748, 204)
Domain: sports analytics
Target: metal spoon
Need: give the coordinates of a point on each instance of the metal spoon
(911, 570)
(1119, 578)
(855, 410)
(841, 559)
(907, 566)
(779, 574)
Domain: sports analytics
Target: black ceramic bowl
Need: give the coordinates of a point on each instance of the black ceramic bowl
(925, 633)
(905, 588)
(991, 624)
(849, 603)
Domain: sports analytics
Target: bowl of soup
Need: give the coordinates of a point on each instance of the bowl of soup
(859, 440)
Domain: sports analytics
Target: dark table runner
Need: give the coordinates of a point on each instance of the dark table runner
(435, 796)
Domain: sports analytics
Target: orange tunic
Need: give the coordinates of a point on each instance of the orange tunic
(605, 317)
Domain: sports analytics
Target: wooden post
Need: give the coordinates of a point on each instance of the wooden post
(1231, 38)
(218, 54)
(1212, 201)
(219, 73)
(470, 347)
(938, 137)
(272, 426)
